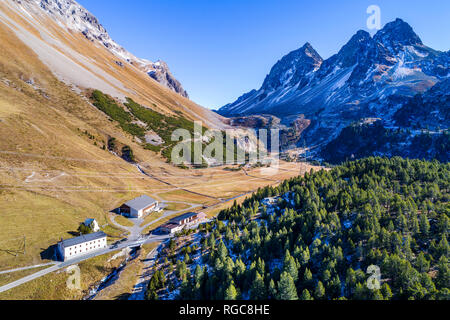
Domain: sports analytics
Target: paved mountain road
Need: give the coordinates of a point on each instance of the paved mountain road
(61, 265)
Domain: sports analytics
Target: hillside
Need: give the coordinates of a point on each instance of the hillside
(79, 52)
(56, 164)
(362, 140)
(318, 238)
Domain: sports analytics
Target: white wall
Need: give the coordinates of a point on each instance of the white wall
(83, 248)
(135, 213)
(140, 213)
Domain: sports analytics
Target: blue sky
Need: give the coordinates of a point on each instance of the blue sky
(222, 49)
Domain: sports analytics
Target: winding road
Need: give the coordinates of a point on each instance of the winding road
(61, 265)
(134, 239)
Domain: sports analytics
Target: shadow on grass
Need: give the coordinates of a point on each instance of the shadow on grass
(51, 253)
(123, 296)
(14, 253)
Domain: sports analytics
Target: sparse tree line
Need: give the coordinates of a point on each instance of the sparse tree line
(324, 232)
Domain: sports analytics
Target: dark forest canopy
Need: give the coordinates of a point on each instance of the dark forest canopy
(323, 232)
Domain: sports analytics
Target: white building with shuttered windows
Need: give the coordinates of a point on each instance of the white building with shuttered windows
(82, 245)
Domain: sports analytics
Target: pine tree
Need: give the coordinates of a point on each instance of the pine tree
(443, 247)
(386, 291)
(290, 266)
(422, 263)
(443, 276)
(286, 288)
(272, 289)
(230, 292)
(258, 290)
(306, 295)
(308, 278)
(222, 250)
(424, 224)
(320, 291)
(198, 274)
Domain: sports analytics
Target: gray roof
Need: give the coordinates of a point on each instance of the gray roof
(140, 203)
(83, 238)
(183, 216)
(88, 221)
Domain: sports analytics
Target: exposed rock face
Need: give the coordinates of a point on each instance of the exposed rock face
(161, 73)
(71, 15)
(370, 77)
(293, 68)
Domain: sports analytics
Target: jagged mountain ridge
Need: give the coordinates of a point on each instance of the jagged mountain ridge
(69, 14)
(367, 68)
(85, 63)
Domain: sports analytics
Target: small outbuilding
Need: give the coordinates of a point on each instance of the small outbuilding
(92, 224)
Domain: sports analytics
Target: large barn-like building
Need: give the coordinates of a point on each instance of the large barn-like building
(139, 207)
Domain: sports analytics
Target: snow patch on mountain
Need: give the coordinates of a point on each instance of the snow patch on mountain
(370, 77)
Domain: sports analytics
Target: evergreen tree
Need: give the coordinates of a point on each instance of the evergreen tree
(272, 289)
(320, 291)
(230, 293)
(258, 290)
(286, 288)
(290, 266)
(305, 295)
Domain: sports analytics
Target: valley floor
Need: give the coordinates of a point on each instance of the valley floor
(36, 194)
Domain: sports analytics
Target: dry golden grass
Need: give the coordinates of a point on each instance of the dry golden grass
(53, 286)
(123, 221)
(173, 206)
(53, 177)
(182, 195)
(123, 287)
(13, 276)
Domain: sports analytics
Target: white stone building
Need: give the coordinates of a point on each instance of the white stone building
(82, 245)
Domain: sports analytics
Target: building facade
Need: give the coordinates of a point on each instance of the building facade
(171, 228)
(179, 223)
(73, 248)
(139, 207)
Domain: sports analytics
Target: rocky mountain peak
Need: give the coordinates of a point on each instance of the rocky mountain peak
(356, 47)
(397, 34)
(162, 74)
(71, 15)
(293, 67)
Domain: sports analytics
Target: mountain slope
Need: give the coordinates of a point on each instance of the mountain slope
(69, 14)
(370, 77)
(364, 69)
(92, 60)
(56, 167)
(319, 236)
